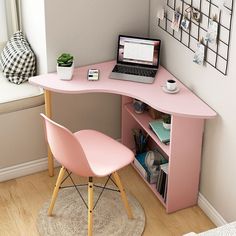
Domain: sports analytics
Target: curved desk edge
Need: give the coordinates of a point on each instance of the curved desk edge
(185, 103)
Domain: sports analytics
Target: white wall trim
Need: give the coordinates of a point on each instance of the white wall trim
(27, 168)
(210, 211)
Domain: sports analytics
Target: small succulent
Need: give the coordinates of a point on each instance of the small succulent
(65, 60)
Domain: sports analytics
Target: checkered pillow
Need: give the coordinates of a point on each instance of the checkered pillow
(17, 59)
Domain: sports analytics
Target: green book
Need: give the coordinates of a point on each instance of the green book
(162, 133)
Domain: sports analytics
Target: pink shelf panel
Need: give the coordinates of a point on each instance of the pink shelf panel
(185, 103)
(143, 120)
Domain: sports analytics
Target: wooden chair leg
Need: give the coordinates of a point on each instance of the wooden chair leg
(90, 206)
(56, 189)
(123, 194)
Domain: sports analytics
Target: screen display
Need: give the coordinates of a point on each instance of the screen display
(138, 51)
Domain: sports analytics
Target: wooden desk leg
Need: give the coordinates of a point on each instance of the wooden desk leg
(48, 112)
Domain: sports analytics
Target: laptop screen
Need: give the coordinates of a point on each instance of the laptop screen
(138, 51)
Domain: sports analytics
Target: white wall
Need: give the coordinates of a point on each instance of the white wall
(89, 29)
(22, 137)
(218, 177)
(33, 21)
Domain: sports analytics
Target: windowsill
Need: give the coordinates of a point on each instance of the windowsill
(15, 97)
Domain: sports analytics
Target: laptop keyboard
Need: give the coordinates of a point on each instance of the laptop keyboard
(134, 71)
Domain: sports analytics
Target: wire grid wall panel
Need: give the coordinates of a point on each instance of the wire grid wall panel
(216, 54)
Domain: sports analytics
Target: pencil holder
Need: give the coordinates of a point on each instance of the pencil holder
(140, 140)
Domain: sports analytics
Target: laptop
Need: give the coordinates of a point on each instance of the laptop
(137, 59)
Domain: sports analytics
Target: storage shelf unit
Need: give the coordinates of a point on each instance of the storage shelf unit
(183, 152)
(143, 120)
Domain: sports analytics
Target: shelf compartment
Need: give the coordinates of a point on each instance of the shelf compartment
(143, 120)
(151, 186)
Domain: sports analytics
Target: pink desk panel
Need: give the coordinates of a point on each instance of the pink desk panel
(184, 103)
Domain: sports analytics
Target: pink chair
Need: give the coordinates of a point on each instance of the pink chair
(87, 153)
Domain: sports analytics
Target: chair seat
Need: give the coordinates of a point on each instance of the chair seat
(104, 154)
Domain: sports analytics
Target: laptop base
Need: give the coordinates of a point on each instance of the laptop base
(133, 78)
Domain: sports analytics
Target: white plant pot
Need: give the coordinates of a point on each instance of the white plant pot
(166, 126)
(65, 73)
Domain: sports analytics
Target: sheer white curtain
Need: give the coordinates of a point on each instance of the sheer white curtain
(3, 22)
(8, 19)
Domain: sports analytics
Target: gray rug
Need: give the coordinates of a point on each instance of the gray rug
(110, 218)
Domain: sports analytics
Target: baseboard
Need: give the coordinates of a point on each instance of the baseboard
(210, 211)
(24, 169)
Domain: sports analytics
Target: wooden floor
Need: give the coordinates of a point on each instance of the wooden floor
(21, 199)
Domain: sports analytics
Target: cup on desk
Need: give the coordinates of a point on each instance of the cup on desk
(171, 85)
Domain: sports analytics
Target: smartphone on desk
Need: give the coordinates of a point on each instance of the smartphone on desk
(93, 74)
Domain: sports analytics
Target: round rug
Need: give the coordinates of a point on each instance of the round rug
(110, 218)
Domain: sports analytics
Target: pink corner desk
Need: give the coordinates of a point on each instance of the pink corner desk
(188, 114)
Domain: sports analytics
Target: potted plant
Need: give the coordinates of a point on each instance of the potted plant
(166, 121)
(65, 66)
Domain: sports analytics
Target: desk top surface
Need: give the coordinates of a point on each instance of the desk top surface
(183, 103)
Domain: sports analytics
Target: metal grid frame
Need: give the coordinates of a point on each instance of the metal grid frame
(200, 28)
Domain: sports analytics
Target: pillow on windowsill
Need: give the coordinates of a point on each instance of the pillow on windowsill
(17, 59)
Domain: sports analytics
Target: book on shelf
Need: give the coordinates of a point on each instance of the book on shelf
(166, 186)
(162, 133)
(163, 184)
(162, 181)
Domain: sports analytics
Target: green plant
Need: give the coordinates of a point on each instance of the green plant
(65, 60)
(166, 118)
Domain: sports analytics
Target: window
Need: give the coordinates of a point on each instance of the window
(14, 97)
(8, 19)
(3, 22)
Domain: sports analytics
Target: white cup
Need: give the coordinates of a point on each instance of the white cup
(171, 84)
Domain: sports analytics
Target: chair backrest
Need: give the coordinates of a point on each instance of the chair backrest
(66, 148)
